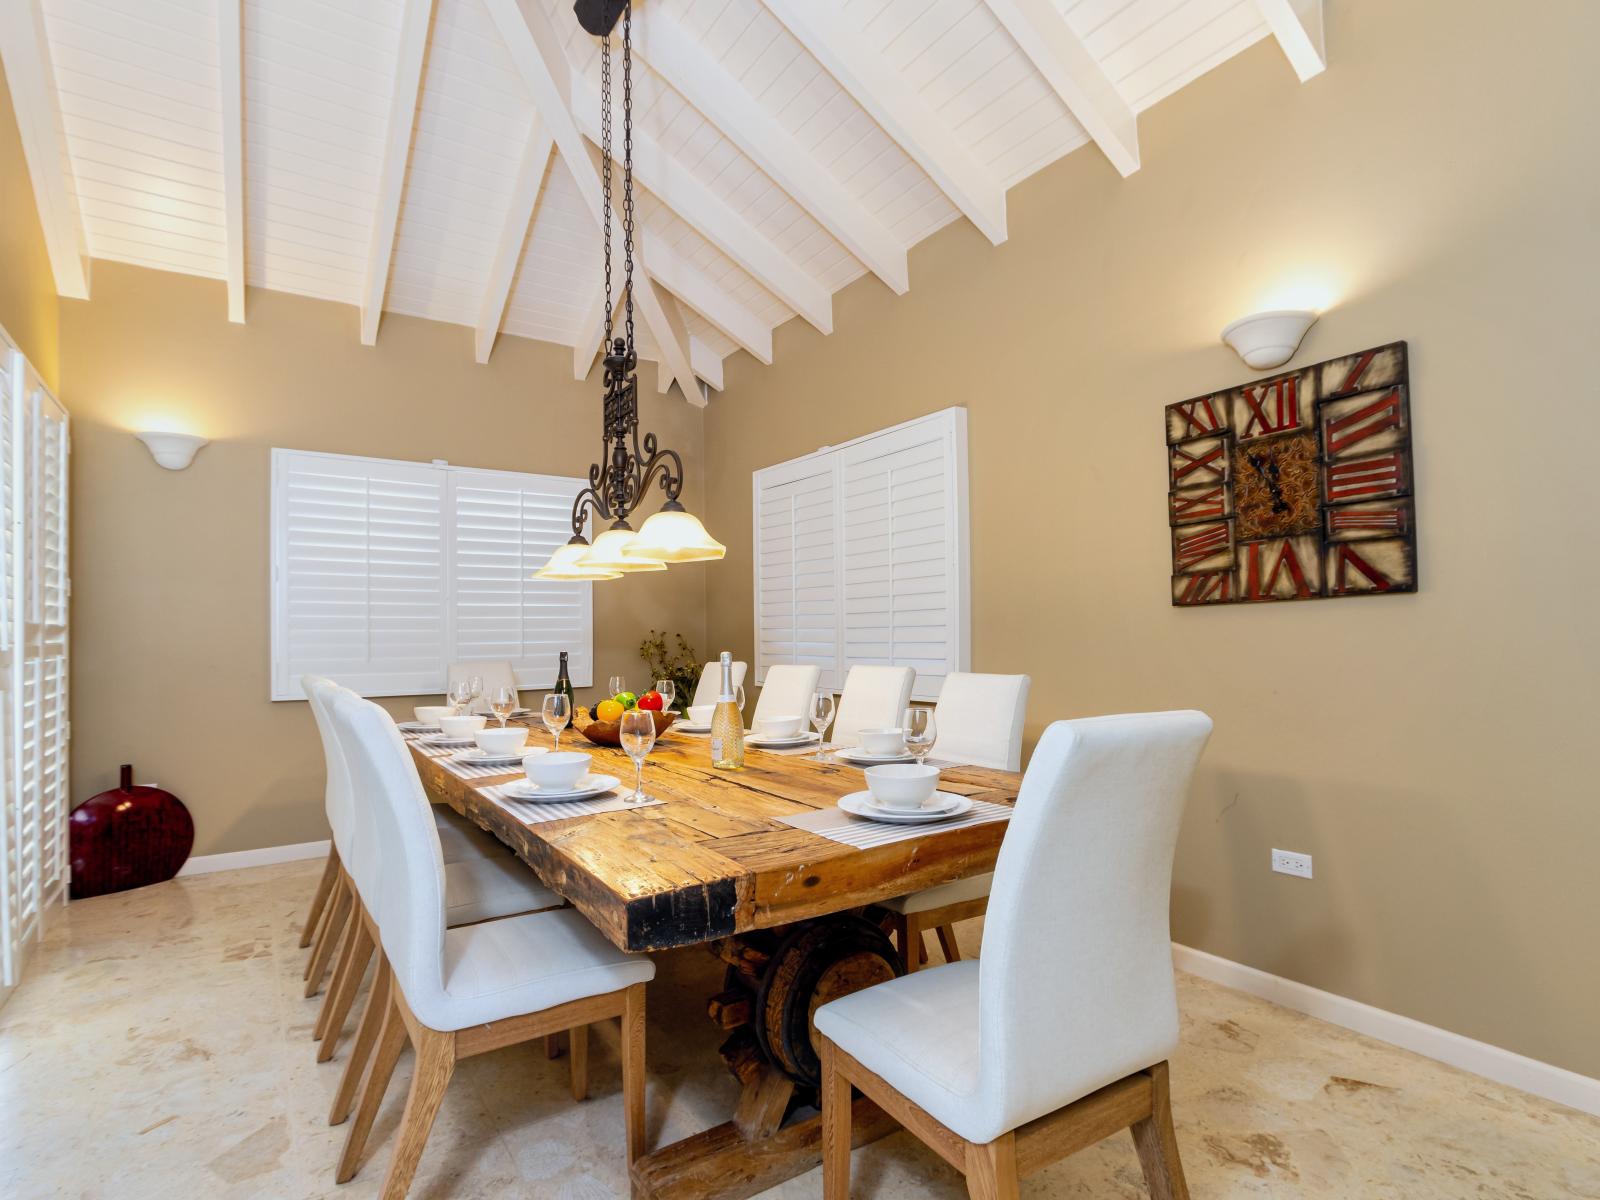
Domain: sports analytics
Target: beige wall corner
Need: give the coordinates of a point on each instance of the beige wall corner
(29, 311)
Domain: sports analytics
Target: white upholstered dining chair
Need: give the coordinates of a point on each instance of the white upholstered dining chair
(495, 673)
(464, 991)
(873, 698)
(980, 719)
(709, 688)
(787, 692)
(1060, 1033)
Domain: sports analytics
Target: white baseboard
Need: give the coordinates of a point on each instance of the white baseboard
(1502, 1066)
(265, 857)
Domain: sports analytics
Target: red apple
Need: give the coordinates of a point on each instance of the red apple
(652, 701)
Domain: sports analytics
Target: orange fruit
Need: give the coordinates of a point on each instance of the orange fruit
(608, 710)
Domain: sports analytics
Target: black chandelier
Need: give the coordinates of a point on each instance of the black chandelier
(628, 465)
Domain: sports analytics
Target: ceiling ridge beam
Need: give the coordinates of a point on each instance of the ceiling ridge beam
(537, 53)
(414, 22)
(25, 49)
(707, 363)
(713, 218)
(692, 287)
(882, 91)
(1042, 33)
(1297, 24)
(230, 46)
(513, 233)
(724, 102)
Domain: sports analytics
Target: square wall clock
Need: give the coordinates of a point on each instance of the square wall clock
(1296, 487)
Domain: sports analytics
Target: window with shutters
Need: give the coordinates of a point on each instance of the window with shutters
(862, 555)
(386, 572)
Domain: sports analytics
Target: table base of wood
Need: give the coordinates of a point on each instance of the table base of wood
(723, 1163)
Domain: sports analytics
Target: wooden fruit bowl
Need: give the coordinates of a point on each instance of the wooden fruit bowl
(609, 733)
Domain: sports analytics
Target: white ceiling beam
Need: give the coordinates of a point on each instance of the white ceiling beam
(707, 362)
(679, 58)
(230, 47)
(537, 53)
(1044, 36)
(513, 233)
(670, 318)
(821, 27)
(713, 218)
(691, 286)
(1297, 24)
(590, 327)
(26, 52)
(414, 21)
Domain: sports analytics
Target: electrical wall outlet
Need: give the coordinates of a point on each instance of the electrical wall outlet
(1291, 862)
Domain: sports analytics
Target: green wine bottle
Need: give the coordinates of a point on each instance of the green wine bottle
(564, 685)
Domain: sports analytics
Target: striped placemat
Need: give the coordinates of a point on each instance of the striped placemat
(839, 826)
(468, 770)
(531, 813)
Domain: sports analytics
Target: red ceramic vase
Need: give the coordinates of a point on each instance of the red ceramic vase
(127, 837)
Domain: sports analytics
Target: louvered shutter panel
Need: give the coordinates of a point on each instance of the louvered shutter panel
(903, 549)
(360, 554)
(11, 895)
(44, 684)
(504, 527)
(797, 568)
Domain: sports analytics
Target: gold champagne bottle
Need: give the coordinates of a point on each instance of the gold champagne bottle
(727, 724)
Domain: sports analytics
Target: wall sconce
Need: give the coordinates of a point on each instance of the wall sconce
(1269, 339)
(174, 451)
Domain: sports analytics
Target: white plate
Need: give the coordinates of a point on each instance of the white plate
(480, 757)
(690, 727)
(441, 740)
(943, 807)
(417, 727)
(782, 743)
(855, 754)
(588, 787)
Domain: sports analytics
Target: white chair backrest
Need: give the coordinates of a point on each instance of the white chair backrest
(787, 693)
(336, 796)
(407, 897)
(980, 719)
(493, 673)
(873, 698)
(1075, 986)
(710, 685)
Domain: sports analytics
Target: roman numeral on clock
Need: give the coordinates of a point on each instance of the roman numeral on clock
(1355, 427)
(1347, 560)
(1287, 563)
(1271, 407)
(1364, 477)
(1357, 369)
(1198, 416)
(1351, 520)
(1190, 549)
(1211, 587)
(1210, 464)
(1209, 503)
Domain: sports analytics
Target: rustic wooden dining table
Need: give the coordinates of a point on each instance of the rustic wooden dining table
(786, 910)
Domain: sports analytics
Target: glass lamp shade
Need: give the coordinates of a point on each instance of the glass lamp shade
(567, 563)
(613, 551)
(675, 536)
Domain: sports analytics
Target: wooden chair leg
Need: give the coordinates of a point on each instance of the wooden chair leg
(331, 938)
(391, 1040)
(324, 926)
(341, 967)
(578, 1052)
(343, 996)
(330, 874)
(366, 1037)
(633, 1070)
(435, 1063)
(835, 1100)
(552, 1046)
(992, 1169)
(947, 943)
(910, 939)
(1158, 1144)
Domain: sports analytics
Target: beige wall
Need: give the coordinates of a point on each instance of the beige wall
(1433, 752)
(28, 309)
(171, 569)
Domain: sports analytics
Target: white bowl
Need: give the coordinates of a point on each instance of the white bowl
(882, 741)
(429, 714)
(557, 772)
(779, 727)
(700, 714)
(502, 741)
(902, 785)
(460, 727)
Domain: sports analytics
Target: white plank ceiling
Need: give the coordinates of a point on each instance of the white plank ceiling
(417, 156)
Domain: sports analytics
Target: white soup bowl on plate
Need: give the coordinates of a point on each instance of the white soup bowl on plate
(882, 741)
(502, 741)
(902, 785)
(461, 727)
(700, 714)
(779, 727)
(558, 772)
(429, 714)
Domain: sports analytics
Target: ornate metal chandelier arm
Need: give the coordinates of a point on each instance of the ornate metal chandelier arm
(665, 462)
(589, 500)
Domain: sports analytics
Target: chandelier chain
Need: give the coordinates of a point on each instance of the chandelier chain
(627, 164)
(605, 169)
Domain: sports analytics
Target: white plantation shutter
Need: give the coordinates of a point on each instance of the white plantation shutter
(797, 567)
(505, 526)
(862, 555)
(385, 572)
(12, 903)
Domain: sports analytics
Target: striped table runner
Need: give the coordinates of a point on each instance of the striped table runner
(538, 812)
(839, 826)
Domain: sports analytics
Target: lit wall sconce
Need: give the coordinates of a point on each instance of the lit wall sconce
(1269, 339)
(174, 451)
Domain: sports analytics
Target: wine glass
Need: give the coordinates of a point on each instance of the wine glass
(821, 713)
(667, 690)
(503, 703)
(618, 685)
(555, 714)
(475, 686)
(637, 734)
(460, 696)
(921, 731)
